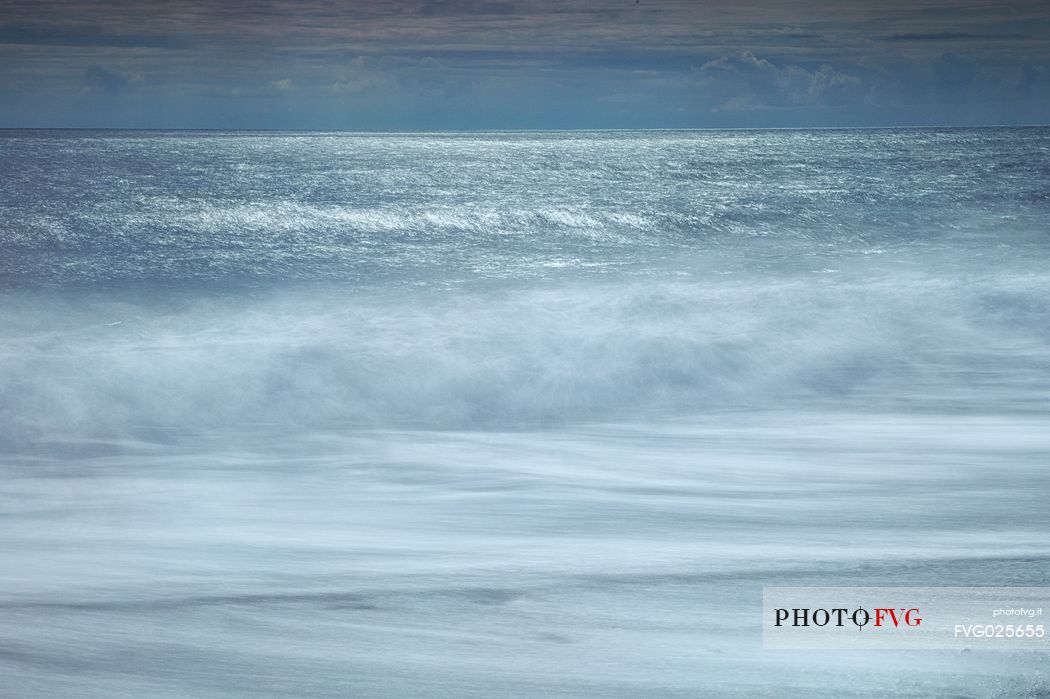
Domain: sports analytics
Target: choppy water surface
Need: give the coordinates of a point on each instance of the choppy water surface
(528, 414)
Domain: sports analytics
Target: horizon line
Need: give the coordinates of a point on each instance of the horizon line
(523, 130)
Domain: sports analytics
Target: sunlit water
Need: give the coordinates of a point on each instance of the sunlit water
(528, 414)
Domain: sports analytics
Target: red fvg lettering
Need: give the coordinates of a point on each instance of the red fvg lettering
(905, 616)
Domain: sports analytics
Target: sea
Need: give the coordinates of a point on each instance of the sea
(513, 414)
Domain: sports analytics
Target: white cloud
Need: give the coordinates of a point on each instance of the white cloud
(747, 81)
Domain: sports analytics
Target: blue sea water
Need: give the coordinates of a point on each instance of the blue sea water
(512, 414)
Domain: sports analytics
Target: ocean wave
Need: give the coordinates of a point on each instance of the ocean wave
(507, 355)
(175, 209)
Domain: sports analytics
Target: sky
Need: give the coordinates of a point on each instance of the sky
(522, 64)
